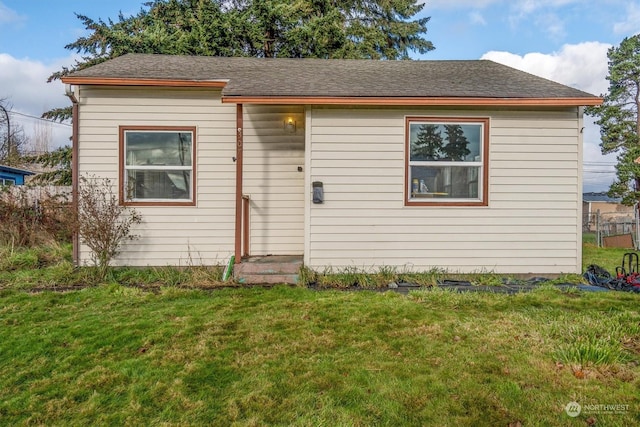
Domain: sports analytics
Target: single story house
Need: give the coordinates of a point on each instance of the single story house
(462, 165)
(12, 176)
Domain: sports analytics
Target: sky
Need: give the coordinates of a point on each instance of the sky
(562, 40)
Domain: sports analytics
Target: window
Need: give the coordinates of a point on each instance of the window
(446, 161)
(157, 165)
(5, 182)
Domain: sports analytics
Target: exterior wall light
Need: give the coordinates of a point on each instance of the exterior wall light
(290, 125)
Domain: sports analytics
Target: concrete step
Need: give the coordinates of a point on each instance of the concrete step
(268, 279)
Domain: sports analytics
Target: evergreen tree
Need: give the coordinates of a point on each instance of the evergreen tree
(357, 29)
(428, 143)
(365, 29)
(59, 164)
(456, 148)
(619, 119)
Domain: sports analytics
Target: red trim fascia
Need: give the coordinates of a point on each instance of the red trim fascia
(239, 166)
(404, 101)
(245, 226)
(74, 175)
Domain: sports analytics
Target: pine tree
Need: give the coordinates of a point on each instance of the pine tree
(456, 147)
(619, 119)
(428, 144)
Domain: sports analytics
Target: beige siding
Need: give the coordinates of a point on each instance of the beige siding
(201, 234)
(272, 155)
(530, 226)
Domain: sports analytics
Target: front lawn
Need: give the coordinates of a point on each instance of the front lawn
(115, 355)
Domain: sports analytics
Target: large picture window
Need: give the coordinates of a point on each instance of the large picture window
(157, 165)
(446, 161)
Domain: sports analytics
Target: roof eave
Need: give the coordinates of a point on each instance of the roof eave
(435, 101)
(10, 169)
(334, 100)
(112, 81)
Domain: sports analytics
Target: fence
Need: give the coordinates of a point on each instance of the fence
(36, 193)
(31, 216)
(613, 229)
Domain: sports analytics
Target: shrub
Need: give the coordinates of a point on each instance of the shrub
(102, 223)
(31, 217)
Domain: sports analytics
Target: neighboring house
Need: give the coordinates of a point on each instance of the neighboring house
(608, 209)
(12, 176)
(462, 165)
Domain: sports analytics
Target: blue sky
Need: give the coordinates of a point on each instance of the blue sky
(564, 40)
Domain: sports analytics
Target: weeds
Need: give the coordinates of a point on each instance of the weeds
(30, 219)
(354, 277)
(589, 342)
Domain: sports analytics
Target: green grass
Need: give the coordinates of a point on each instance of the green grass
(115, 355)
(50, 267)
(146, 348)
(609, 258)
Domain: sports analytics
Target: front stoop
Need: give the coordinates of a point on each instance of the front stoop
(271, 270)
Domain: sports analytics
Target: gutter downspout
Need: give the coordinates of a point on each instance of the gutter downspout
(239, 159)
(74, 168)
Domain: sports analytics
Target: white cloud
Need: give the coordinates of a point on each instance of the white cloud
(583, 66)
(476, 18)
(530, 6)
(631, 25)
(459, 4)
(519, 6)
(23, 83)
(10, 16)
(551, 25)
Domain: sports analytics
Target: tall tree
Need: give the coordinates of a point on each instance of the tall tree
(12, 137)
(57, 164)
(366, 29)
(180, 27)
(358, 29)
(456, 148)
(619, 119)
(428, 144)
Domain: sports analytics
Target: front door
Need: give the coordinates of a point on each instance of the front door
(274, 179)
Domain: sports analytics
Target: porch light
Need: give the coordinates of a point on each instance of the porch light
(290, 125)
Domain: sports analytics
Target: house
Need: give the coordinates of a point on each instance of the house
(461, 165)
(611, 214)
(12, 176)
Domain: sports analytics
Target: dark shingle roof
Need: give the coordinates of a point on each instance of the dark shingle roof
(338, 78)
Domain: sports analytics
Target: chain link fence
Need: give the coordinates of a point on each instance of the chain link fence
(613, 229)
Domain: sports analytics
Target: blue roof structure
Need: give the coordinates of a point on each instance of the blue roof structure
(599, 197)
(10, 175)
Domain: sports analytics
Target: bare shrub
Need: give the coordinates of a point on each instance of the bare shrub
(28, 220)
(102, 223)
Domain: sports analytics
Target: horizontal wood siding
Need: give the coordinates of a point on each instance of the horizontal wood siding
(272, 155)
(201, 234)
(530, 226)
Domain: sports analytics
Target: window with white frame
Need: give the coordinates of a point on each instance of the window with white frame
(7, 182)
(157, 165)
(446, 161)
